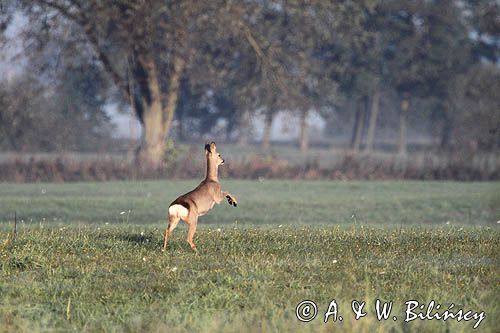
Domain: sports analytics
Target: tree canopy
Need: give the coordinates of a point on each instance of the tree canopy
(198, 62)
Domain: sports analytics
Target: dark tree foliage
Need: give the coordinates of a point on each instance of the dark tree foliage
(361, 65)
(68, 115)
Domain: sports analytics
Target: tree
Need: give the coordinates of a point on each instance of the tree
(66, 113)
(311, 61)
(426, 46)
(135, 41)
(484, 26)
(348, 56)
(376, 69)
(359, 122)
(474, 96)
(271, 106)
(123, 36)
(56, 97)
(372, 122)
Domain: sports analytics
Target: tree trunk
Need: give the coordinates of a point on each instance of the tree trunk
(156, 117)
(352, 107)
(405, 105)
(229, 128)
(304, 132)
(180, 126)
(244, 129)
(375, 106)
(447, 128)
(131, 154)
(446, 134)
(173, 93)
(268, 125)
(151, 149)
(359, 123)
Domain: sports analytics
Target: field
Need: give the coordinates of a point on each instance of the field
(87, 256)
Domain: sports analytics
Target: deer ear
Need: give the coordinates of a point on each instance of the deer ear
(213, 147)
(207, 148)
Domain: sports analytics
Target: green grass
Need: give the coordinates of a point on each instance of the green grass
(268, 202)
(77, 264)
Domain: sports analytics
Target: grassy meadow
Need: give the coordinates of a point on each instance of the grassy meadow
(87, 256)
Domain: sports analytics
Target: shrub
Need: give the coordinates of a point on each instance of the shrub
(348, 167)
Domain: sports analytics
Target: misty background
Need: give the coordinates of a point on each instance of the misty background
(356, 89)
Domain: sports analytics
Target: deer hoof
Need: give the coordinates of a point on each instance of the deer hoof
(193, 247)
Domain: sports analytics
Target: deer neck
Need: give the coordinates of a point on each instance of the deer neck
(212, 170)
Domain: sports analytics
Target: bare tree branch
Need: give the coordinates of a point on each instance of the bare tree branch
(266, 60)
(92, 37)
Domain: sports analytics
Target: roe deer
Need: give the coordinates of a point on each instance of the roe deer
(188, 207)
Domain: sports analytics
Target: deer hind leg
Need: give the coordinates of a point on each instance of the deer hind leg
(175, 213)
(192, 221)
(173, 220)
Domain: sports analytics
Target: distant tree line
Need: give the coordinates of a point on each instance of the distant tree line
(197, 62)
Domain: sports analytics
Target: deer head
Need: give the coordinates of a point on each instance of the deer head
(213, 157)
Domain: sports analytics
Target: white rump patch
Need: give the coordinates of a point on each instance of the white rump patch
(178, 210)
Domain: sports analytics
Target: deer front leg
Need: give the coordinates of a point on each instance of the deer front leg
(230, 199)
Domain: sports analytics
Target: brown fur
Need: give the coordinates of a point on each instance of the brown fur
(200, 200)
